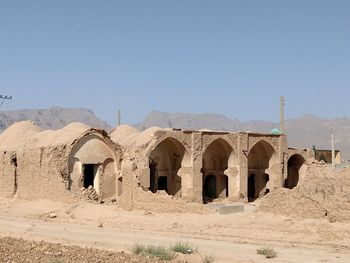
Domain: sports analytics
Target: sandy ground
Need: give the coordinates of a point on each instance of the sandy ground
(229, 238)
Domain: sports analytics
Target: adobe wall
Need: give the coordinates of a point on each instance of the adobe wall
(93, 149)
(162, 202)
(8, 174)
(46, 172)
(326, 155)
(323, 193)
(41, 173)
(136, 169)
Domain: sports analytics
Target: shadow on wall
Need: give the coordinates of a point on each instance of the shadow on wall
(217, 158)
(296, 169)
(260, 159)
(165, 163)
(92, 162)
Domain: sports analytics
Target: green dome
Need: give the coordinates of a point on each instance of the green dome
(276, 131)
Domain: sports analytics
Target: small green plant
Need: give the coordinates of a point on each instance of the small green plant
(183, 247)
(153, 251)
(268, 252)
(208, 259)
(159, 252)
(138, 249)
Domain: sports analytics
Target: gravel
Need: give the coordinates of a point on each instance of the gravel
(20, 250)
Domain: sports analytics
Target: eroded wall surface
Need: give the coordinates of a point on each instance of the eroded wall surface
(219, 155)
(41, 173)
(34, 171)
(8, 174)
(92, 150)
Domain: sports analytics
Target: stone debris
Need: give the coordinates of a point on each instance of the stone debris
(52, 215)
(90, 194)
(20, 250)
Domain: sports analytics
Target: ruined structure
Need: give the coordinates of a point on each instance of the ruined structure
(45, 164)
(201, 166)
(169, 169)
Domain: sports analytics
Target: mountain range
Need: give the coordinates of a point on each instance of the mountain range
(303, 132)
(52, 118)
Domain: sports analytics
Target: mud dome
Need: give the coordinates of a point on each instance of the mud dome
(156, 169)
(46, 164)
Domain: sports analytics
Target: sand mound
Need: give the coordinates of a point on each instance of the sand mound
(323, 193)
(18, 134)
(122, 132)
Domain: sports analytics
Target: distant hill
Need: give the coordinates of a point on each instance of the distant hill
(302, 132)
(52, 118)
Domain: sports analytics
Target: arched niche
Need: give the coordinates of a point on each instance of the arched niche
(261, 159)
(166, 166)
(219, 171)
(296, 169)
(93, 162)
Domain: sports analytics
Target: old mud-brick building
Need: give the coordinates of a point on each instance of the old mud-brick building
(164, 169)
(55, 164)
(201, 166)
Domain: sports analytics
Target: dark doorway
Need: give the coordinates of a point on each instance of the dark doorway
(226, 183)
(251, 188)
(89, 174)
(163, 183)
(14, 162)
(209, 187)
(152, 179)
(267, 178)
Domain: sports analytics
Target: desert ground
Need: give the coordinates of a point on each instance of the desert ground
(79, 228)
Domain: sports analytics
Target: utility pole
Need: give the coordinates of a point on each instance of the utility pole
(282, 115)
(4, 97)
(119, 117)
(333, 150)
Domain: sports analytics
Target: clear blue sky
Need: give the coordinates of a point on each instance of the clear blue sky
(230, 57)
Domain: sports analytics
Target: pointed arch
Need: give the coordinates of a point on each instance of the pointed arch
(261, 158)
(219, 171)
(165, 162)
(296, 168)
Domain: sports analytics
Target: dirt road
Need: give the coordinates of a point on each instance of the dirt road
(230, 238)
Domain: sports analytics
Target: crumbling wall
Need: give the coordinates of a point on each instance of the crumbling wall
(129, 173)
(162, 202)
(42, 173)
(8, 174)
(321, 193)
(94, 149)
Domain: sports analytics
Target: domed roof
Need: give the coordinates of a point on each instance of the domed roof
(62, 136)
(276, 131)
(18, 134)
(122, 132)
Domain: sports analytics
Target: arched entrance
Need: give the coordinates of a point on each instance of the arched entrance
(165, 162)
(218, 164)
(93, 162)
(260, 159)
(296, 164)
